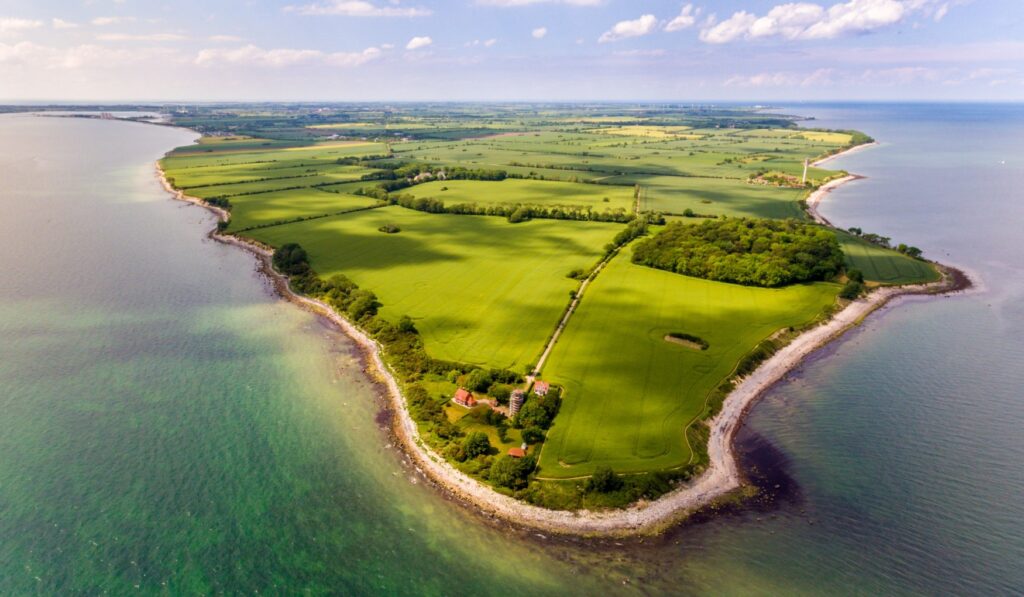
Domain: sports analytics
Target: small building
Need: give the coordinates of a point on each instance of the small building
(541, 388)
(464, 397)
(515, 402)
(516, 452)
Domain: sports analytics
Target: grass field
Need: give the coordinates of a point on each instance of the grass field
(629, 393)
(885, 266)
(531, 192)
(716, 196)
(280, 206)
(480, 290)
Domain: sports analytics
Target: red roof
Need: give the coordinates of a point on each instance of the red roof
(516, 452)
(464, 397)
(541, 387)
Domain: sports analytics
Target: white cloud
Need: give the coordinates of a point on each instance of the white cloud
(224, 38)
(418, 42)
(62, 24)
(485, 43)
(18, 25)
(490, 42)
(358, 8)
(514, 3)
(634, 28)
(352, 59)
(539, 32)
(141, 37)
(251, 55)
(104, 21)
(686, 19)
(806, 20)
(818, 78)
(82, 56)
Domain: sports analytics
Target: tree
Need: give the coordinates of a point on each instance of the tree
(291, 259)
(604, 480)
(532, 414)
(406, 325)
(478, 380)
(476, 443)
(851, 290)
(512, 472)
(533, 435)
(856, 275)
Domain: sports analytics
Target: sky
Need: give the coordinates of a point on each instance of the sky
(511, 50)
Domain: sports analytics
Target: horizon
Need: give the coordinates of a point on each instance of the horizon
(566, 51)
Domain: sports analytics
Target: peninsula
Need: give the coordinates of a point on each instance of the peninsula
(569, 307)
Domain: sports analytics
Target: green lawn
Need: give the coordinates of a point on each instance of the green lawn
(629, 393)
(884, 265)
(545, 193)
(481, 290)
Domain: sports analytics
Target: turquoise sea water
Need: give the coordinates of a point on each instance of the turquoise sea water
(167, 426)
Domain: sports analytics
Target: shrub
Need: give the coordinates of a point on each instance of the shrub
(291, 259)
(512, 472)
(475, 444)
(851, 290)
(533, 435)
(604, 480)
(478, 380)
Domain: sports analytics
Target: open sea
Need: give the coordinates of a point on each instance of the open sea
(168, 426)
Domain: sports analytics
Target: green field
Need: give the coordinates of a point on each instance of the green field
(629, 393)
(885, 266)
(513, 191)
(267, 208)
(716, 196)
(480, 290)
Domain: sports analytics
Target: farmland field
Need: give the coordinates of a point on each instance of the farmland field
(716, 196)
(480, 290)
(512, 191)
(884, 265)
(629, 394)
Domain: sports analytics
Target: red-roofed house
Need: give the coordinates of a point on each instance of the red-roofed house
(541, 388)
(516, 452)
(464, 397)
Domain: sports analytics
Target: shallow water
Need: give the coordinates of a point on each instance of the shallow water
(169, 426)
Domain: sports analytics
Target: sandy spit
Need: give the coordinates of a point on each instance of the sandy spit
(722, 476)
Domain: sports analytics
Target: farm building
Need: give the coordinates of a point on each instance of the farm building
(515, 402)
(541, 388)
(516, 452)
(464, 397)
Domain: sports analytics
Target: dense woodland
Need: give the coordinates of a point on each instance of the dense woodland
(753, 252)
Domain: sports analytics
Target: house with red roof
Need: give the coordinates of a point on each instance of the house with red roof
(464, 397)
(516, 452)
(541, 388)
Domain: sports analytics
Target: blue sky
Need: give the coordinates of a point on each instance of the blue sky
(511, 50)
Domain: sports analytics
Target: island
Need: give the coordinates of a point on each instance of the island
(569, 307)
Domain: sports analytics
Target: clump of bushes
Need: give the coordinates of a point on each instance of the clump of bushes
(854, 286)
(389, 229)
(753, 252)
(701, 342)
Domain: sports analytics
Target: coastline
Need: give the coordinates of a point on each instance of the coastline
(722, 476)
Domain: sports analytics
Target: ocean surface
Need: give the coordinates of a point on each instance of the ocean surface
(167, 426)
